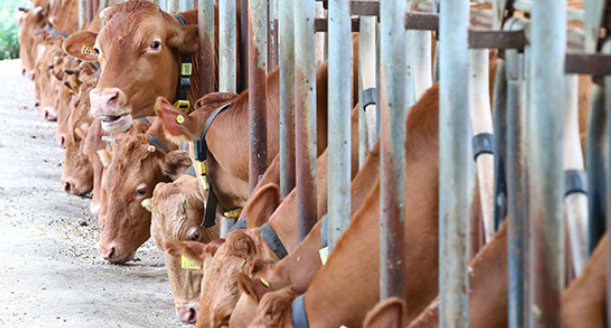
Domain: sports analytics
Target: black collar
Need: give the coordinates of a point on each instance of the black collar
(184, 79)
(158, 143)
(298, 313)
(273, 241)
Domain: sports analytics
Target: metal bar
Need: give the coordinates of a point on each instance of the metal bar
(320, 25)
(273, 35)
(596, 169)
(394, 108)
(360, 7)
(257, 84)
(453, 164)
(481, 120)
(227, 46)
(205, 30)
(421, 21)
(320, 37)
(516, 184)
(576, 202)
(420, 48)
(500, 144)
(589, 64)
(244, 45)
(546, 89)
(173, 6)
(496, 39)
(594, 10)
(289, 19)
(607, 50)
(340, 103)
(82, 13)
(367, 71)
(305, 99)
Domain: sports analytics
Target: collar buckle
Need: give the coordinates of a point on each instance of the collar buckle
(183, 105)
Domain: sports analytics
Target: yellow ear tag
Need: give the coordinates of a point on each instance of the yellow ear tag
(88, 50)
(324, 254)
(190, 264)
(180, 119)
(264, 282)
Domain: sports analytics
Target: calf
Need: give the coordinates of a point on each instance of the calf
(177, 212)
(138, 45)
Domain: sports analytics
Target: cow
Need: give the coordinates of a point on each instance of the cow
(47, 84)
(177, 212)
(138, 45)
(131, 172)
(30, 22)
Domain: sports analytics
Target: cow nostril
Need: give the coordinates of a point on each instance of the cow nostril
(23, 72)
(68, 187)
(192, 316)
(37, 103)
(110, 253)
(62, 141)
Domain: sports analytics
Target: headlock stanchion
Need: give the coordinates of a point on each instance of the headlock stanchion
(453, 163)
(340, 87)
(205, 31)
(287, 25)
(546, 230)
(367, 84)
(305, 115)
(394, 108)
(607, 51)
(257, 83)
(227, 46)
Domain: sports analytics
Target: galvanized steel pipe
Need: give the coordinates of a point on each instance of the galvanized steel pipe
(596, 169)
(607, 50)
(546, 93)
(367, 78)
(272, 49)
(173, 6)
(206, 35)
(453, 163)
(227, 46)
(257, 84)
(340, 106)
(305, 101)
(82, 13)
(394, 107)
(289, 21)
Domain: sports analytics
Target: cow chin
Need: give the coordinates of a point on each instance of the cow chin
(120, 124)
(123, 259)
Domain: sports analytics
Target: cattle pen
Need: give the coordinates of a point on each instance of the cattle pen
(325, 163)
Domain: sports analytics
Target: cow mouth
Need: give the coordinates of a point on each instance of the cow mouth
(119, 123)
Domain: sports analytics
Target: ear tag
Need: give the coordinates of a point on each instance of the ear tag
(88, 50)
(324, 255)
(264, 282)
(190, 264)
(186, 69)
(180, 119)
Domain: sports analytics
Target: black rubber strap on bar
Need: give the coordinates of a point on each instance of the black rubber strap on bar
(157, 142)
(210, 212)
(184, 81)
(191, 171)
(369, 97)
(298, 313)
(324, 232)
(239, 225)
(200, 146)
(144, 120)
(482, 144)
(575, 181)
(271, 238)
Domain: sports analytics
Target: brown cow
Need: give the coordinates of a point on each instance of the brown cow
(29, 23)
(131, 172)
(47, 85)
(138, 45)
(177, 212)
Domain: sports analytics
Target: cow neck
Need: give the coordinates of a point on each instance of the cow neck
(184, 77)
(201, 153)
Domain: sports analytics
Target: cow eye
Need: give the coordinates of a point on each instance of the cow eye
(141, 191)
(194, 235)
(97, 51)
(155, 45)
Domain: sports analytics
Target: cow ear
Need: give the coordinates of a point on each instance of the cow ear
(241, 245)
(105, 157)
(388, 314)
(261, 205)
(175, 122)
(184, 39)
(176, 163)
(148, 204)
(253, 287)
(80, 45)
(194, 250)
(107, 13)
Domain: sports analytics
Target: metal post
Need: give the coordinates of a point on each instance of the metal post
(320, 37)
(500, 144)
(287, 16)
(227, 46)
(82, 13)
(453, 163)
(205, 30)
(244, 45)
(273, 35)
(257, 83)
(607, 50)
(481, 119)
(173, 6)
(305, 100)
(394, 108)
(340, 104)
(421, 62)
(517, 186)
(596, 169)
(367, 78)
(576, 201)
(546, 89)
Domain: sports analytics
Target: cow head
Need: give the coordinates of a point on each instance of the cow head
(30, 22)
(131, 172)
(139, 50)
(177, 211)
(47, 84)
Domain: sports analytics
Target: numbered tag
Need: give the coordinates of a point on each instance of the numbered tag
(324, 254)
(188, 263)
(88, 50)
(186, 69)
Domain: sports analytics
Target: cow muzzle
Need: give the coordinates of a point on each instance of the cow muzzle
(110, 105)
(187, 313)
(50, 114)
(113, 254)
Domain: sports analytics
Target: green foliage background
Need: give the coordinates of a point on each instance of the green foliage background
(9, 45)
